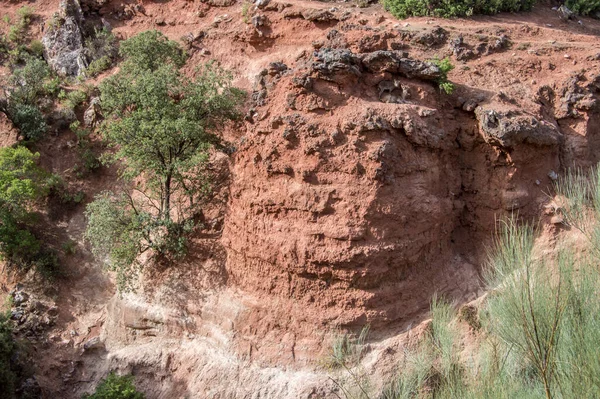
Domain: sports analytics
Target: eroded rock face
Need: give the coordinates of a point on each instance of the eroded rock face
(63, 40)
(348, 213)
(511, 128)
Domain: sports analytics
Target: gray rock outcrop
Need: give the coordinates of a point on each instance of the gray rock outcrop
(63, 40)
(510, 128)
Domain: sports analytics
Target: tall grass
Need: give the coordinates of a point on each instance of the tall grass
(540, 321)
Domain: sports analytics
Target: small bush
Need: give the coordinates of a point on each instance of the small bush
(29, 120)
(116, 387)
(347, 350)
(36, 48)
(69, 247)
(102, 50)
(21, 183)
(17, 33)
(445, 66)
(75, 98)
(246, 12)
(454, 8)
(27, 83)
(584, 7)
(52, 87)
(47, 264)
(98, 66)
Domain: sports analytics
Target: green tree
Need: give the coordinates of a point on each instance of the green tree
(24, 87)
(21, 183)
(116, 387)
(161, 125)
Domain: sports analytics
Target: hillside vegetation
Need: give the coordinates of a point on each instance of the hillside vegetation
(466, 8)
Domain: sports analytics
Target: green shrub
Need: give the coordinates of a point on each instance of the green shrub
(18, 32)
(36, 48)
(29, 120)
(445, 66)
(98, 66)
(69, 247)
(21, 183)
(454, 8)
(53, 86)
(102, 50)
(584, 7)
(540, 322)
(75, 98)
(116, 387)
(150, 50)
(26, 84)
(348, 350)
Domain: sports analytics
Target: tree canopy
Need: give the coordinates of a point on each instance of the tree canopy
(160, 125)
(21, 183)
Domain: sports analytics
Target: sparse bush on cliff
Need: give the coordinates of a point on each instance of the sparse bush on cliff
(25, 86)
(454, 8)
(445, 66)
(161, 126)
(116, 387)
(102, 51)
(18, 32)
(29, 120)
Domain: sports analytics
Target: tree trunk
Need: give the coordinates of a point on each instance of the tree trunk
(166, 202)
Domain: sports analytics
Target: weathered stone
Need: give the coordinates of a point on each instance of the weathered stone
(432, 38)
(260, 4)
(93, 343)
(276, 68)
(316, 15)
(393, 62)
(510, 128)
(63, 41)
(92, 114)
(565, 13)
(61, 118)
(331, 61)
(20, 298)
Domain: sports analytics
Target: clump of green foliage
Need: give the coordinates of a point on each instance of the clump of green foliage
(18, 32)
(75, 98)
(454, 8)
(584, 7)
(21, 183)
(161, 125)
(246, 12)
(29, 120)
(445, 66)
(102, 50)
(116, 387)
(25, 86)
(8, 376)
(27, 82)
(347, 349)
